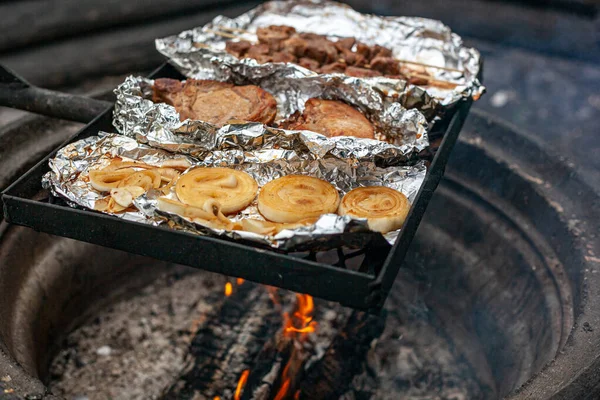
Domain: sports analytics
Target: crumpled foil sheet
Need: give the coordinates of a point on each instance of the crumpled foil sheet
(159, 125)
(70, 167)
(410, 38)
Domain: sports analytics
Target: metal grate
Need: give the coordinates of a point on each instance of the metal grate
(356, 278)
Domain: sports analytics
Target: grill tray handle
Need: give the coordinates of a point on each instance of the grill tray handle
(16, 92)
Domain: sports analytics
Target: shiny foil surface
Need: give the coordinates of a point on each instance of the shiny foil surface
(201, 51)
(159, 125)
(68, 179)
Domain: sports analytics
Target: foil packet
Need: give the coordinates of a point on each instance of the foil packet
(428, 45)
(71, 165)
(159, 124)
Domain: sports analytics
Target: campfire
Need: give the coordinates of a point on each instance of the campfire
(239, 340)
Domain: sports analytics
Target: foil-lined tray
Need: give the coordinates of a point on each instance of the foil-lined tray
(71, 165)
(196, 52)
(404, 131)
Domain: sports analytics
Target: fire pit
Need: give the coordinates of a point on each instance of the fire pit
(496, 298)
(487, 299)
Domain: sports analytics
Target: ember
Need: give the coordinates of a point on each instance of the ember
(297, 327)
(228, 289)
(241, 384)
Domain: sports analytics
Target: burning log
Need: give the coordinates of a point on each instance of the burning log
(331, 376)
(226, 345)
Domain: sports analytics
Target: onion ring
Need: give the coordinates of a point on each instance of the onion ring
(385, 209)
(233, 190)
(296, 197)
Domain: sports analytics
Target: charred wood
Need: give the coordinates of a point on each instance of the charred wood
(330, 377)
(226, 344)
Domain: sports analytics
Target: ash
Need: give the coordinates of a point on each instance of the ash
(136, 347)
(180, 337)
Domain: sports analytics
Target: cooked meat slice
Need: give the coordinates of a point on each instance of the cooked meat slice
(363, 50)
(336, 67)
(348, 56)
(322, 50)
(379, 51)
(345, 43)
(318, 53)
(333, 118)
(258, 50)
(238, 49)
(361, 72)
(309, 63)
(273, 35)
(282, 56)
(295, 45)
(260, 53)
(217, 102)
(385, 65)
(164, 88)
(311, 36)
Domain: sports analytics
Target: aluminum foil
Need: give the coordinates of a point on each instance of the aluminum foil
(196, 52)
(158, 124)
(70, 167)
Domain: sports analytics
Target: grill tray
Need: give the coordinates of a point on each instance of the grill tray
(359, 279)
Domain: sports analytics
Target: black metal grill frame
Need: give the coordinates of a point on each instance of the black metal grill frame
(365, 288)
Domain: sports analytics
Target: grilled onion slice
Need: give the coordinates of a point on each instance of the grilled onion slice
(268, 228)
(233, 190)
(104, 181)
(385, 208)
(109, 205)
(296, 197)
(208, 214)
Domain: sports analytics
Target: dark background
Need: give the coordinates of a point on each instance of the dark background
(542, 58)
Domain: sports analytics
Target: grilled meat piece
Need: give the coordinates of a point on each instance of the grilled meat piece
(309, 63)
(364, 50)
(345, 43)
(215, 102)
(385, 65)
(274, 35)
(322, 50)
(259, 52)
(295, 45)
(361, 72)
(380, 51)
(238, 49)
(282, 56)
(336, 67)
(317, 53)
(332, 118)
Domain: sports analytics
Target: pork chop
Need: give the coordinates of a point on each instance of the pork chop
(332, 118)
(216, 102)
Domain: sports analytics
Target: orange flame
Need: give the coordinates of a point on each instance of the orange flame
(302, 321)
(297, 326)
(283, 390)
(216, 398)
(241, 384)
(228, 289)
(240, 281)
